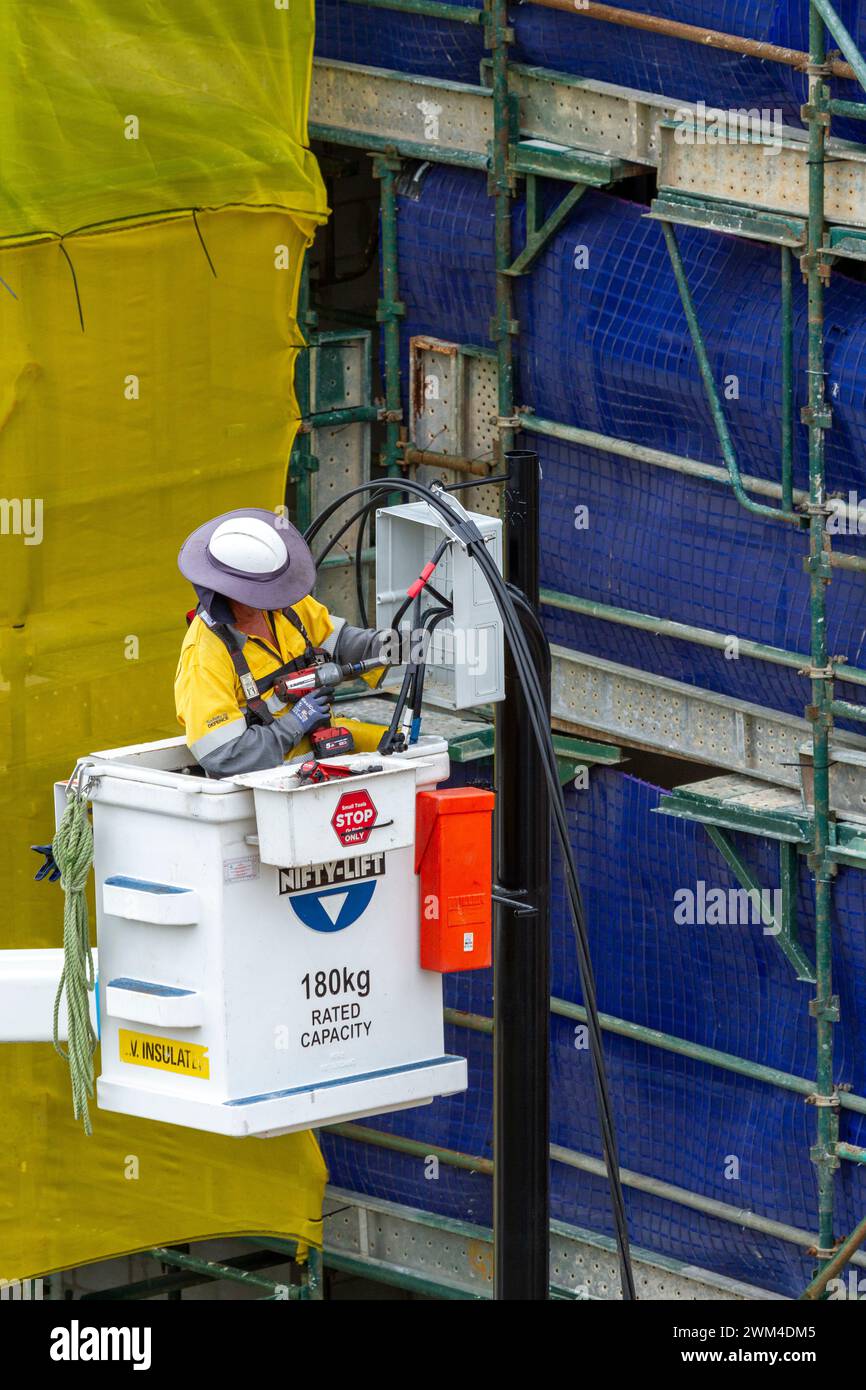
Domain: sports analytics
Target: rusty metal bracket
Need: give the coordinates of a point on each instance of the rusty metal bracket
(826, 1009)
(824, 1102)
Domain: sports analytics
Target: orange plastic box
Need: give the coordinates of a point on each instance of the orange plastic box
(454, 862)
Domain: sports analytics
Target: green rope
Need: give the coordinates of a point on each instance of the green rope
(73, 854)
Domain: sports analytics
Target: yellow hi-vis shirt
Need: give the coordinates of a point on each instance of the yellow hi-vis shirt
(208, 696)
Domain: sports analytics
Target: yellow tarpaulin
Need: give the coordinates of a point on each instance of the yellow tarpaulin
(114, 108)
(145, 385)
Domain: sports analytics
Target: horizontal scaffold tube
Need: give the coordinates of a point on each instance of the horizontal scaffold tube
(433, 9)
(685, 632)
(846, 1254)
(667, 1042)
(693, 33)
(690, 468)
(628, 19)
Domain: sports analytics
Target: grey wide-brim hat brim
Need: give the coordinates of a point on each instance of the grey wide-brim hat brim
(265, 591)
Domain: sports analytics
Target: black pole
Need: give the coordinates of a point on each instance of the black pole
(521, 943)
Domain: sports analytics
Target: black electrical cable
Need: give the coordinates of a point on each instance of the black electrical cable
(434, 593)
(431, 620)
(480, 480)
(362, 516)
(389, 738)
(412, 688)
(507, 600)
(359, 568)
(347, 525)
(528, 677)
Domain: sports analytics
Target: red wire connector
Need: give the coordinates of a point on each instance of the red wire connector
(414, 589)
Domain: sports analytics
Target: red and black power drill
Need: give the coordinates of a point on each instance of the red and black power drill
(330, 741)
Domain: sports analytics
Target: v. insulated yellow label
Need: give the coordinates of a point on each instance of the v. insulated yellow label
(144, 1050)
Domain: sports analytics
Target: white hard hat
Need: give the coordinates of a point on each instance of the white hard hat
(251, 555)
(246, 545)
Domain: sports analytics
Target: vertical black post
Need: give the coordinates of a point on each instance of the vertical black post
(521, 950)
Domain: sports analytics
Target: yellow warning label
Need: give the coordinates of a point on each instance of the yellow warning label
(144, 1050)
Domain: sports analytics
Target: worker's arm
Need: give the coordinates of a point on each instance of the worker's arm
(347, 644)
(217, 733)
(261, 746)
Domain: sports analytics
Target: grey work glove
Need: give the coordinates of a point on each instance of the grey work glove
(310, 712)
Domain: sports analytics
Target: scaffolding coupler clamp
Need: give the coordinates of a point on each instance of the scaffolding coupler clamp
(394, 417)
(819, 1254)
(821, 566)
(821, 1154)
(818, 508)
(508, 422)
(822, 419)
(819, 673)
(388, 309)
(816, 113)
(831, 1102)
(502, 325)
(827, 1010)
(301, 463)
(821, 261)
(386, 161)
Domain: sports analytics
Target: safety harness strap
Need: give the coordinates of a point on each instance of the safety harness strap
(256, 711)
(309, 656)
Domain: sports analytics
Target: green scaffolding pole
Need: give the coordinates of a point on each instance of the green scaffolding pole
(726, 444)
(303, 462)
(389, 311)
(825, 1006)
(501, 185)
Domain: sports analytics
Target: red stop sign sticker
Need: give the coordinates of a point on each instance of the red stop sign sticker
(354, 817)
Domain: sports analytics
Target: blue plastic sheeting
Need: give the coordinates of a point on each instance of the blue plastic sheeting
(735, 1140)
(407, 43)
(607, 348)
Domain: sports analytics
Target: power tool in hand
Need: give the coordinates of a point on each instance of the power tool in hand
(328, 675)
(327, 741)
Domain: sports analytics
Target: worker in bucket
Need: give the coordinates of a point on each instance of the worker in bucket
(256, 626)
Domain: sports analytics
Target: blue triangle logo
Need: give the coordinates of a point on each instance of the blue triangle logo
(323, 911)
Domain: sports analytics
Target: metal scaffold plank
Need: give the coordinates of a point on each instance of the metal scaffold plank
(772, 177)
(418, 117)
(598, 116)
(646, 711)
(434, 1256)
(452, 123)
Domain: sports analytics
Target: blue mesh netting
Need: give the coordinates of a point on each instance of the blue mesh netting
(405, 42)
(678, 1120)
(607, 348)
(683, 549)
(605, 52)
(656, 63)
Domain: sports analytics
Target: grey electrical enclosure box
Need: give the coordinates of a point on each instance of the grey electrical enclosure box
(465, 659)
